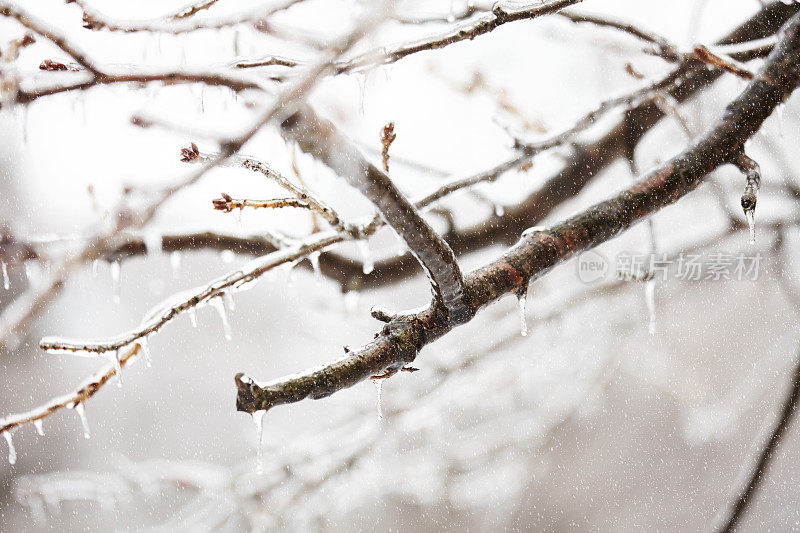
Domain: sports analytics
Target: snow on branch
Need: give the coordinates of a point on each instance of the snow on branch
(539, 251)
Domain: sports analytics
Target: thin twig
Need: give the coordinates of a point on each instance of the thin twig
(767, 454)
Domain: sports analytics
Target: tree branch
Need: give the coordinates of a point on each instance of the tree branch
(538, 252)
(321, 139)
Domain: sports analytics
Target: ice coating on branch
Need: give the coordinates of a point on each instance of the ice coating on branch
(650, 298)
(258, 419)
(6, 280)
(39, 426)
(522, 297)
(217, 304)
(175, 263)
(116, 268)
(81, 411)
(379, 390)
(12, 452)
(368, 264)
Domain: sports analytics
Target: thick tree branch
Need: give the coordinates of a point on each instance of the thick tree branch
(538, 252)
(320, 138)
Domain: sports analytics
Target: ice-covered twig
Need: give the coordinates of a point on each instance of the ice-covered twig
(227, 204)
(535, 254)
(50, 34)
(664, 47)
(70, 400)
(321, 139)
(728, 64)
(192, 154)
(178, 22)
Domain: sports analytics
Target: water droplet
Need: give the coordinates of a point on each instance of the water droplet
(650, 298)
(522, 297)
(217, 304)
(379, 390)
(175, 262)
(368, 265)
(12, 452)
(258, 419)
(227, 256)
(499, 210)
(192, 312)
(6, 280)
(95, 266)
(751, 222)
(116, 268)
(39, 426)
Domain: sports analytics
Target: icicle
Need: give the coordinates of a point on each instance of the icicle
(258, 419)
(114, 358)
(228, 297)
(217, 304)
(314, 259)
(238, 215)
(351, 301)
(95, 266)
(81, 410)
(116, 267)
(152, 242)
(175, 262)
(12, 452)
(148, 360)
(6, 280)
(368, 265)
(499, 210)
(362, 90)
(522, 297)
(39, 426)
(650, 297)
(751, 222)
(379, 389)
(192, 312)
(227, 256)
